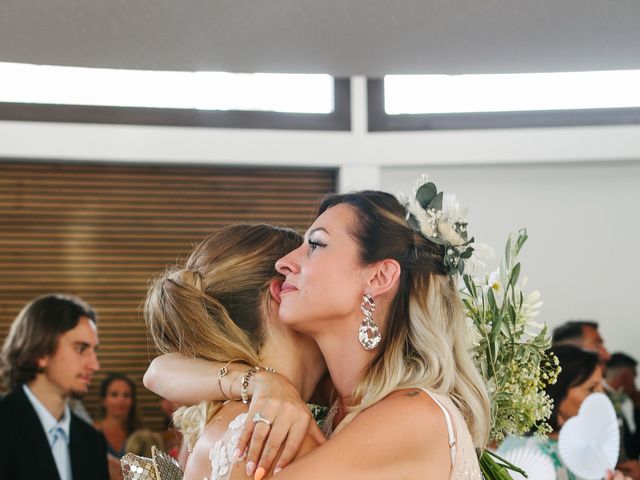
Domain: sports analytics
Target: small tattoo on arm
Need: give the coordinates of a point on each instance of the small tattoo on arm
(412, 394)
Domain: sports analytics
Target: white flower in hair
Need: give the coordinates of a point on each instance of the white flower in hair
(439, 219)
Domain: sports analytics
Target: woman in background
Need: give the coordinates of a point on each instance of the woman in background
(119, 414)
(580, 376)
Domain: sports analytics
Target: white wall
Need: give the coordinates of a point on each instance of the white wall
(583, 225)
(576, 189)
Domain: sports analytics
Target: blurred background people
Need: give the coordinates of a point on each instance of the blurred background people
(620, 378)
(171, 436)
(580, 377)
(119, 413)
(583, 334)
(141, 441)
(48, 357)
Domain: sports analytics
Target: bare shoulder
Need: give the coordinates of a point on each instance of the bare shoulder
(404, 435)
(409, 410)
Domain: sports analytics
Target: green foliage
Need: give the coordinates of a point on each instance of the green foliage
(510, 348)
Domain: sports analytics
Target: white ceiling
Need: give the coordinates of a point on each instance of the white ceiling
(348, 37)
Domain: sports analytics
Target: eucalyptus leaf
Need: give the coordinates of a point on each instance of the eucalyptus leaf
(467, 253)
(436, 203)
(426, 193)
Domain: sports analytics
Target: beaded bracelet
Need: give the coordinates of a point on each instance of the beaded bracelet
(244, 389)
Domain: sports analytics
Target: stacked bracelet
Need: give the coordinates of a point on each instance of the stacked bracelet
(244, 389)
(222, 372)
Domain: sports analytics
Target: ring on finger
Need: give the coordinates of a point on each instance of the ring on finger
(257, 418)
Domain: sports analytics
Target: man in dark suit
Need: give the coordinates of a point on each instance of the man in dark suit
(48, 357)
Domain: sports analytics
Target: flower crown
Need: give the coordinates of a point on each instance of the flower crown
(437, 217)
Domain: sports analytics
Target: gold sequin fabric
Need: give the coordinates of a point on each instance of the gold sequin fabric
(160, 467)
(137, 468)
(166, 467)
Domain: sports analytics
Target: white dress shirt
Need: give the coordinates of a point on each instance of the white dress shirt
(57, 432)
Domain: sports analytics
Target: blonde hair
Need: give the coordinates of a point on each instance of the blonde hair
(211, 306)
(141, 441)
(424, 343)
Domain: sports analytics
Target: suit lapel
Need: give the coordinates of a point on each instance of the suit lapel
(34, 438)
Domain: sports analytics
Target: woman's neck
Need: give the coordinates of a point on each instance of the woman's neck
(114, 421)
(346, 360)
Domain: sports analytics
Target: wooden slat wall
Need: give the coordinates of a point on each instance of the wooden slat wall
(100, 232)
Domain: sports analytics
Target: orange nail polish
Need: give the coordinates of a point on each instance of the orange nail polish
(260, 473)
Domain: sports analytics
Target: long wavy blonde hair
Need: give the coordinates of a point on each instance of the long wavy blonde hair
(425, 341)
(210, 306)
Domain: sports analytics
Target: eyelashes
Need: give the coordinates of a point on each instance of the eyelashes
(313, 244)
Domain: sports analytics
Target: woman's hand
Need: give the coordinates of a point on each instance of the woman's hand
(276, 400)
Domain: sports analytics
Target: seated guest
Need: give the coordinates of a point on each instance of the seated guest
(583, 334)
(580, 376)
(141, 441)
(48, 357)
(119, 413)
(621, 376)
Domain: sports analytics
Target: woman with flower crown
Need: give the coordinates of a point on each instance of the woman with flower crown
(410, 402)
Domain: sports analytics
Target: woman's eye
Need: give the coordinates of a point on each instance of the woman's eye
(315, 244)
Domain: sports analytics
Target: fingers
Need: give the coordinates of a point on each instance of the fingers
(316, 433)
(245, 435)
(276, 438)
(296, 435)
(260, 434)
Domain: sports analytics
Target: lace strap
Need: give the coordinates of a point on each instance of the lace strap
(447, 417)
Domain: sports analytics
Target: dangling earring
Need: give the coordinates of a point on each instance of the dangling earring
(368, 333)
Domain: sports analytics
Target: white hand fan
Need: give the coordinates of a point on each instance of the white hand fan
(589, 443)
(537, 465)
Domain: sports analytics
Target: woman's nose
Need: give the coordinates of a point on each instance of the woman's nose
(286, 264)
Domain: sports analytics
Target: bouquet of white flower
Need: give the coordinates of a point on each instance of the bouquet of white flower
(511, 351)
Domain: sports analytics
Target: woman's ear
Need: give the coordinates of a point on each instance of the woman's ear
(275, 288)
(384, 277)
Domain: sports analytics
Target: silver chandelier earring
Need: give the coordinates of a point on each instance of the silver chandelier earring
(368, 333)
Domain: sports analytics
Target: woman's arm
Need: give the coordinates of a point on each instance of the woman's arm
(189, 380)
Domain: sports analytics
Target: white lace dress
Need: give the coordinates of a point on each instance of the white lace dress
(221, 454)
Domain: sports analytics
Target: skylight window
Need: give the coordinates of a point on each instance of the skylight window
(441, 94)
(45, 84)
